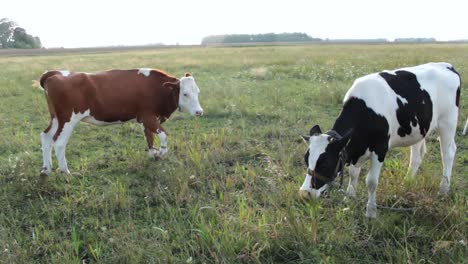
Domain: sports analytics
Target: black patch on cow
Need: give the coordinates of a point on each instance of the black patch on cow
(453, 70)
(418, 110)
(370, 130)
(457, 97)
(325, 166)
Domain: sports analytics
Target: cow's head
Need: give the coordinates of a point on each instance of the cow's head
(188, 97)
(324, 160)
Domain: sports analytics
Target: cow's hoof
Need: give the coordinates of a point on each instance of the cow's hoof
(350, 192)
(371, 211)
(155, 154)
(408, 179)
(43, 177)
(156, 157)
(304, 194)
(443, 191)
(44, 172)
(162, 152)
(64, 171)
(444, 188)
(349, 199)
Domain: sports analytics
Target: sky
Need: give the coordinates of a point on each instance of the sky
(91, 23)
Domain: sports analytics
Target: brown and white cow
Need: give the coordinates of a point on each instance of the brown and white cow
(147, 96)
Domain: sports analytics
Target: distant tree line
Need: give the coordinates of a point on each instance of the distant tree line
(298, 37)
(13, 36)
(374, 40)
(415, 40)
(269, 37)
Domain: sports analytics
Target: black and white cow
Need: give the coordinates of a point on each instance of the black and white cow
(382, 111)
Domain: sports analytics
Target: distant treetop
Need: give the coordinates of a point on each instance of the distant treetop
(12, 36)
(269, 37)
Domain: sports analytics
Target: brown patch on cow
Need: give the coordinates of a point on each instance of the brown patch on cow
(187, 74)
(172, 85)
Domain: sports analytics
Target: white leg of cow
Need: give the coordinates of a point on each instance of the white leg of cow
(353, 180)
(153, 153)
(47, 141)
(417, 154)
(465, 130)
(163, 143)
(448, 148)
(372, 181)
(61, 144)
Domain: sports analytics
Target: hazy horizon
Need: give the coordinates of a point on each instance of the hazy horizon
(122, 23)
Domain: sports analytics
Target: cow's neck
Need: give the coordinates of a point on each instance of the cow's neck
(348, 118)
(169, 106)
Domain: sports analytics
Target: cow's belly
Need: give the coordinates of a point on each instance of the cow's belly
(408, 140)
(94, 121)
(415, 135)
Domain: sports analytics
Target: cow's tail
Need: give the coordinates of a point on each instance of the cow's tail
(41, 84)
(36, 84)
(42, 81)
(465, 130)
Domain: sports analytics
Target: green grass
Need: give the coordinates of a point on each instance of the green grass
(227, 191)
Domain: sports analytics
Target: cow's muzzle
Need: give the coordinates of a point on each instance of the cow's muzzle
(312, 193)
(306, 190)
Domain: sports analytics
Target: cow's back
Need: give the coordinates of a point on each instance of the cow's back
(411, 99)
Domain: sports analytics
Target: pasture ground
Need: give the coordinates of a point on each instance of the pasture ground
(228, 190)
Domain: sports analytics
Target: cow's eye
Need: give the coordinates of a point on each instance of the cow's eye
(185, 94)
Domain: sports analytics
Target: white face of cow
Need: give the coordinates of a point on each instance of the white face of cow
(316, 158)
(188, 98)
(322, 159)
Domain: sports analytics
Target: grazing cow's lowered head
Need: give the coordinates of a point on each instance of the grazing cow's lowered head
(188, 98)
(324, 159)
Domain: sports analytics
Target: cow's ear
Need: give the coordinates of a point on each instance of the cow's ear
(171, 85)
(341, 143)
(188, 74)
(305, 138)
(315, 131)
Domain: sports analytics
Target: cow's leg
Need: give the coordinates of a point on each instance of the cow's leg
(46, 141)
(447, 130)
(465, 130)
(162, 141)
(372, 181)
(152, 126)
(353, 180)
(61, 137)
(417, 154)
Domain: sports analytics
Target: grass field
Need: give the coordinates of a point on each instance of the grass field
(228, 190)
